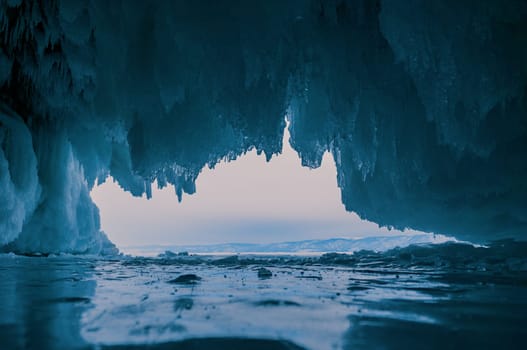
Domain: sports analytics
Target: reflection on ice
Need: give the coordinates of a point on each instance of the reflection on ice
(446, 296)
(42, 300)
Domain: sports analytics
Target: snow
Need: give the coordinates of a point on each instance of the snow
(305, 247)
(421, 104)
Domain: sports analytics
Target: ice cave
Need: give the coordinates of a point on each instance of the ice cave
(422, 105)
(424, 114)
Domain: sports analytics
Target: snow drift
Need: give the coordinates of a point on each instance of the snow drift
(422, 104)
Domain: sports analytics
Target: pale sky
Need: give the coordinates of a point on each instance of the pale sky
(246, 200)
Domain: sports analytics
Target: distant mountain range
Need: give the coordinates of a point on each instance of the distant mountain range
(308, 246)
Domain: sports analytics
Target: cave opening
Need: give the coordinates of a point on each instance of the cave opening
(246, 200)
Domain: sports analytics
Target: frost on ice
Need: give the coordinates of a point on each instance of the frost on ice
(422, 104)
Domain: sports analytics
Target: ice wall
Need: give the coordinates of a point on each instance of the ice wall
(423, 105)
(46, 206)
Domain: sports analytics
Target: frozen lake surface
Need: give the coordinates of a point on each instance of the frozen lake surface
(442, 296)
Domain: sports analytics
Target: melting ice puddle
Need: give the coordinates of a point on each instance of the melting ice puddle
(329, 302)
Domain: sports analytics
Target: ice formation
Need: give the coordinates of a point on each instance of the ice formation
(422, 104)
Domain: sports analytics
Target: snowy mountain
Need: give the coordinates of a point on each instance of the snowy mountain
(380, 243)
